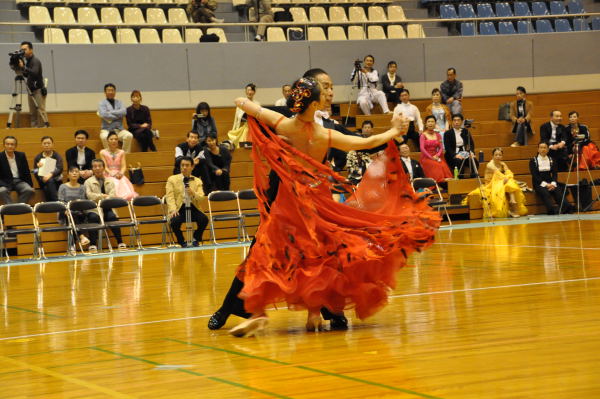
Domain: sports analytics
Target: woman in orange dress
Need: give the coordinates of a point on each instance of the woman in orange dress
(311, 251)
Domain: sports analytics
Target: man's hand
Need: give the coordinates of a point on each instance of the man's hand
(218, 172)
(144, 125)
(460, 157)
(46, 178)
(173, 214)
(21, 64)
(400, 122)
(40, 164)
(85, 173)
(196, 161)
(190, 192)
(521, 120)
(450, 100)
(551, 187)
(399, 86)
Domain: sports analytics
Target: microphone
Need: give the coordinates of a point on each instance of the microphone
(186, 185)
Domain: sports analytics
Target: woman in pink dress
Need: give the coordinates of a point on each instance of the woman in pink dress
(432, 159)
(114, 158)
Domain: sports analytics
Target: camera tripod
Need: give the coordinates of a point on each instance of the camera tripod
(474, 170)
(16, 102)
(356, 84)
(578, 184)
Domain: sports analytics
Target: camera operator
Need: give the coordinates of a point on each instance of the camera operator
(367, 84)
(203, 123)
(203, 11)
(31, 67)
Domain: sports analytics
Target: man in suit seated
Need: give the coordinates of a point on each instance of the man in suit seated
(412, 168)
(81, 156)
(14, 172)
(554, 133)
(459, 146)
(392, 83)
(179, 188)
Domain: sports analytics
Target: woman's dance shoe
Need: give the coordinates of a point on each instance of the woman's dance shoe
(217, 320)
(250, 327)
(314, 323)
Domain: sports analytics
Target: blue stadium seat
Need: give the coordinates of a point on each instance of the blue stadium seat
(539, 8)
(506, 28)
(487, 28)
(448, 11)
(503, 10)
(557, 8)
(522, 9)
(580, 24)
(543, 26)
(596, 23)
(562, 25)
(484, 10)
(467, 29)
(575, 7)
(525, 27)
(466, 11)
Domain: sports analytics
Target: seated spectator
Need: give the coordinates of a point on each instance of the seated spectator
(544, 178)
(190, 148)
(440, 112)
(116, 167)
(48, 178)
(239, 131)
(73, 190)
(411, 112)
(112, 111)
(432, 160)
(14, 172)
(203, 123)
(286, 90)
(178, 187)
(391, 83)
(579, 143)
(452, 92)
(97, 188)
(218, 163)
(260, 11)
(139, 122)
(502, 192)
(203, 11)
(412, 168)
(555, 134)
(459, 145)
(81, 156)
(368, 77)
(521, 112)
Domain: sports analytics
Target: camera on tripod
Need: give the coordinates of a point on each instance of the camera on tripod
(468, 123)
(357, 64)
(15, 57)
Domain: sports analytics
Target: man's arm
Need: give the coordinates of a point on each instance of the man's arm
(90, 193)
(170, 197)
(104, 111)
(119, 110)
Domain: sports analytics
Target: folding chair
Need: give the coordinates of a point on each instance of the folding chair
(119, 203)
(224, 196)
(146, 202)
(439, 202)
(83, 205)
(42, 226)
(247, 194)
(16, 210)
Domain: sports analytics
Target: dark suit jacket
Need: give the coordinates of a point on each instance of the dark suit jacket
(583, 130)
(337, 156)
(71, 156)
(388, 86)
(450, 144)
(538, 177)
(6, 176)
(416, 167)
(546, 133)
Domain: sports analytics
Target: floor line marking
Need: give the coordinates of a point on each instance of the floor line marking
(329, 373)
(514, 246)
(32, 311)
(72, 380)
(195, 373)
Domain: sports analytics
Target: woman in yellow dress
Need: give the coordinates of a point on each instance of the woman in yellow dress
(239, 131)
(502, 192)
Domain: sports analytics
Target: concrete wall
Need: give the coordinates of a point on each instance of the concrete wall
(180, 75)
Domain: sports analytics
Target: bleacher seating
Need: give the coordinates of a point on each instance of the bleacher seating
(506, 28)
(487, 28)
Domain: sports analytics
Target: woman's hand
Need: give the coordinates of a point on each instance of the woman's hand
(119, 175)
(400, 122)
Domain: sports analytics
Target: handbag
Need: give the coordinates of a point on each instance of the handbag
(504, 112)
(136, 175)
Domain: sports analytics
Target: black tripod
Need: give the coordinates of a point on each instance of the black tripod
(575, 159)
(16, 102)
(356, 84)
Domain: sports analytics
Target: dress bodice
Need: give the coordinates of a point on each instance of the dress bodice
(432, 146)
(113, 160)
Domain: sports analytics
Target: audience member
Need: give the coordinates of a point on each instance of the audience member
(49, 177)
(459, 145)
(203, 123)
(412, 167)
(80, 155)
(368, 77)
(286, 90)
(521, 112)
(440, 112)
(260, 11)
(112, 111)
(14, 172)
(179, 187)
(218, 163)
(554, 133)
(452, 92)
(74, 190)
(32, 71)
(239, 131)
(357, 162)
(139, 122)
(432, 161)
(392, 83)
(544, 178)
(116, 166)
(189, 148)
(97, 188)
(579, 143)
(411, 112)
(203, 11)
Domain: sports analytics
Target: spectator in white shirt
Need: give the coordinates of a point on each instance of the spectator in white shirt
(286, 90)
(411, 112)
(368, 77)
(412, 167)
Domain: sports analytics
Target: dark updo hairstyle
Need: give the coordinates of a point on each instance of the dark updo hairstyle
(304, 92)
(428, 117)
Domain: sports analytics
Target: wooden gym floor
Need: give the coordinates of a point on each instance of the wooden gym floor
(510, 310)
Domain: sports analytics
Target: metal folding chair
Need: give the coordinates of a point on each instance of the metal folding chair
(147, 202)
(84, 205)
(224, 196)
(247, 194)
(119, 203)
(437, 203)
(16, 210)
(42, 209)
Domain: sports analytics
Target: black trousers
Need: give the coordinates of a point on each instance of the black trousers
(144, 136)
(50, 188)
(222, 182)
(561, 157)
(462, 165)
(109, 216)
(393, 97)
(196, 216)
(412, 134)
(552, 199)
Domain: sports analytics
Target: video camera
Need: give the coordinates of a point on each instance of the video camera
(468, 123)
(357, 64)
(15, 57)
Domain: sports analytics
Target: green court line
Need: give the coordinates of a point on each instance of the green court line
(329, 373)
(216, 379)
(33, 311)
(14, 371)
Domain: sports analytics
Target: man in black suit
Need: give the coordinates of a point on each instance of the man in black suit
(554, 133)
(14, 172)
(459, 146)
(80, 156)
(392, 83)
(412, 168)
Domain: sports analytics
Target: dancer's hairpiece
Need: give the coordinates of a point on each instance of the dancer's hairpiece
(302, 89)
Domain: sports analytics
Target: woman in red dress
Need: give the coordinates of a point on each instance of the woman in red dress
(432, 151)
(311, 251)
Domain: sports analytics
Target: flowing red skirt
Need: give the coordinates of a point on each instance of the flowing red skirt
(438, 171)
(312, 251)
(590, 157)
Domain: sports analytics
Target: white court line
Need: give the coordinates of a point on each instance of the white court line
(512, 246)
(391, 297)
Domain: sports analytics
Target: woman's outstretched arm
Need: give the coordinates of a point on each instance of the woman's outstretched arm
(349, 143)
(264, 115)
